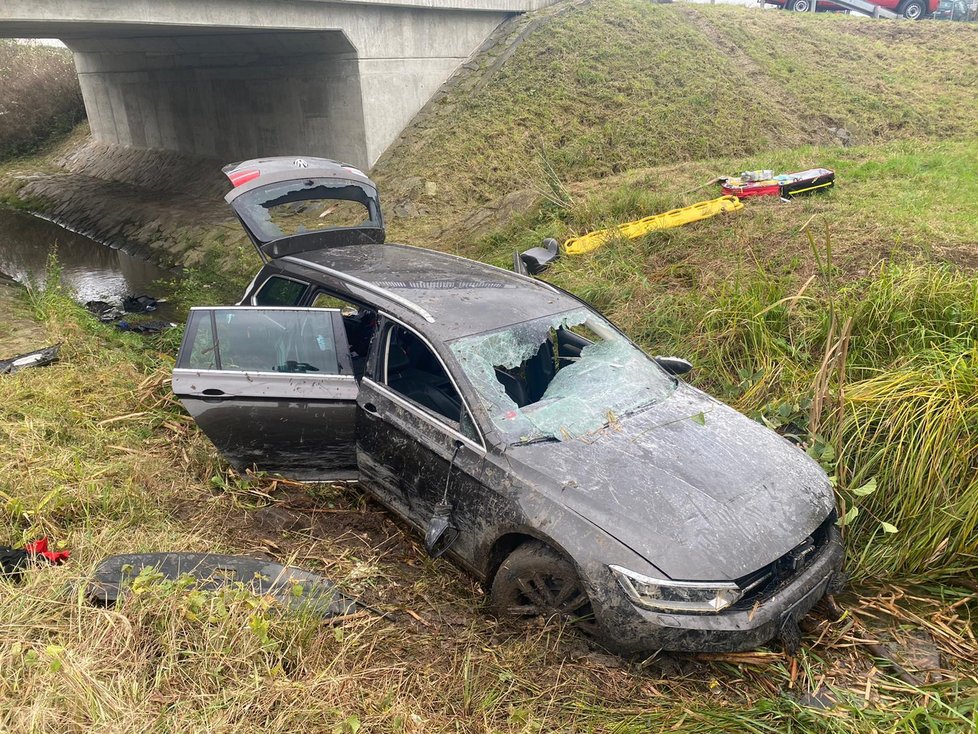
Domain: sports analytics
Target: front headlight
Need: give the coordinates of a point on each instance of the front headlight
(676, 596)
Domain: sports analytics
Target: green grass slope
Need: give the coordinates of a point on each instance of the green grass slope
(613, 85)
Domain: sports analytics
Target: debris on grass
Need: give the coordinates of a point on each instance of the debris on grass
(298, 589)
(13, 561)
(784, 185)
(37, 358)
(697, 212)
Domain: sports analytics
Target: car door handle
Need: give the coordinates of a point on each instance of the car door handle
(370, 408)
(213, 392)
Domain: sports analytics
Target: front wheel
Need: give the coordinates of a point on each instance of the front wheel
(912, 9)
(800, 6)
(535, 580)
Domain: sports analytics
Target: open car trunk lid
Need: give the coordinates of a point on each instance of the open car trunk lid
(290, 205)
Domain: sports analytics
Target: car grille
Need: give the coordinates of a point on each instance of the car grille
(767, 580)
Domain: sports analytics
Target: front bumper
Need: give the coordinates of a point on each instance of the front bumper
(631, 629)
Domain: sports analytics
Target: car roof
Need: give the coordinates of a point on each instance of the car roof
(453, 295)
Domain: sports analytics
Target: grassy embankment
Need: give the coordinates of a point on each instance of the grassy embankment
(97, 454)
(617, 85)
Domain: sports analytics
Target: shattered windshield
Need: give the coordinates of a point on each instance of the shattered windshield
(559, 377)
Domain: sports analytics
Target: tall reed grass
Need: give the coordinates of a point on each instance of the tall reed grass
(39, 95)
(896, 409)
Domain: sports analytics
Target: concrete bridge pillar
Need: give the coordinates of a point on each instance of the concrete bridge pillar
(229, 96)
(238, 79)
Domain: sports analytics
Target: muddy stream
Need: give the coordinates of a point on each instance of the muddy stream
(90, 270)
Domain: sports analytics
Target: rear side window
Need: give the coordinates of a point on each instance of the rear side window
(279, 291)
(266, 340)
(201, 355)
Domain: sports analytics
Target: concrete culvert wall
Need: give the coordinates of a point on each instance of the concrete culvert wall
(228, 96)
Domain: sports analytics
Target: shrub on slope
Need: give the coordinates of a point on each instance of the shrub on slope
(39, 95)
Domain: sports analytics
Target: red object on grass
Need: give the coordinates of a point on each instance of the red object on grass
(748, 189)
(40, 548)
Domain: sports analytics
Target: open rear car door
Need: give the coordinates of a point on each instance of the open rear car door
(291, 205)
(272, 388)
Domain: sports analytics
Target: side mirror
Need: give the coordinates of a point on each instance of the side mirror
(674, 365)
(441, 534)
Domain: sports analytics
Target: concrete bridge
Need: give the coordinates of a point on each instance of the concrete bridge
(236, 79)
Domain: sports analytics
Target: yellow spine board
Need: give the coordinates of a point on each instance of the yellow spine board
(632, 230)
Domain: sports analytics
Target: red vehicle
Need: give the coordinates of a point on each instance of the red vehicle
(910, 9)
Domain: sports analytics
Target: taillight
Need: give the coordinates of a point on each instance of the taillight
(239, 178)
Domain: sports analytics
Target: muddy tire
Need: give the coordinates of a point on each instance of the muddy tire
(536, 581)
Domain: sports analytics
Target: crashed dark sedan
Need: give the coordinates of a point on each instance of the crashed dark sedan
(508, 421)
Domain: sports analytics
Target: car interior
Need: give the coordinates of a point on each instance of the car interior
(415, 372)
(360, 324)
(527, 383)
(278, 291)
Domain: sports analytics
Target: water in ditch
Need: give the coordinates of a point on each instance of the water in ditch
(91, 271)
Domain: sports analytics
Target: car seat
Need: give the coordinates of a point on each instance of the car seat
(433, 391)
(514, 387)
(540, 371)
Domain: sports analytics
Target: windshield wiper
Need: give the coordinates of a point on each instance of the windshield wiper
(538, 439)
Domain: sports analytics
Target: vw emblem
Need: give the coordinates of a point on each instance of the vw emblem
(300, 163)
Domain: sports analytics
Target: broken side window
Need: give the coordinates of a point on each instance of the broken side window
(559, 377)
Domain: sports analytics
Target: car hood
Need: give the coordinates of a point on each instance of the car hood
(697, 489)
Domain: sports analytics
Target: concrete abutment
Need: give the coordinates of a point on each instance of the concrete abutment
(234, 79)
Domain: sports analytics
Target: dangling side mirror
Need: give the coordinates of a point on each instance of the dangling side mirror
(441, 534)
(674, 365)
